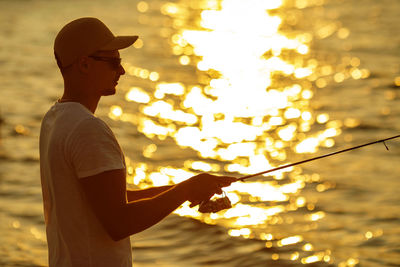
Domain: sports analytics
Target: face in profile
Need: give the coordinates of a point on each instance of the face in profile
(107, 70)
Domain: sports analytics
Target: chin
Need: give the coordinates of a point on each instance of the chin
(109, 92)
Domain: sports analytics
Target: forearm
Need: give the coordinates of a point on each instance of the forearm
(106, 193)
(139, 215)
(134, 195)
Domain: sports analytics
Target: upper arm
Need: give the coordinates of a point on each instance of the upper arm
(106, 194)
(98, 161)
(92, 148)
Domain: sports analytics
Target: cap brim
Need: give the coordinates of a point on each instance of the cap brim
(119, 42)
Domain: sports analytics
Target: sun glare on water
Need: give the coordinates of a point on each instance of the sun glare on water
(249, 111)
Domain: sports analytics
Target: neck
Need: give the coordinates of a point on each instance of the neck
(79, 89)
(89, 102)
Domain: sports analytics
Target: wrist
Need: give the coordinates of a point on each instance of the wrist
(183, 190)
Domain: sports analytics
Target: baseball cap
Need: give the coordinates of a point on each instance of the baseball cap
(83, 37)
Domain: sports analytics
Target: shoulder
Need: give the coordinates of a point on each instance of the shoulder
(82, 117)
(92, 126)
(87, 125)
(93, 137)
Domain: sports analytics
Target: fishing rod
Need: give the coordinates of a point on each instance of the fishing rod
(319, 157)
(224, 202)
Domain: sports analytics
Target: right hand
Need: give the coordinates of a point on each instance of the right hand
(202, 187)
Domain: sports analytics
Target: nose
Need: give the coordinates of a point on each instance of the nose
(121, 70)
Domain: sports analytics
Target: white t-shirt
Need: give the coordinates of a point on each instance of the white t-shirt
(75, 144)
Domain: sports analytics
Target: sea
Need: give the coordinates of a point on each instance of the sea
(228, 87)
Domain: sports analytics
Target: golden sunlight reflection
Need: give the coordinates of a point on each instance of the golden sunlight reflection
(250, 110)
(115, 112)
(290, 240)
(311, 259)
(137, 94)
(245, 232)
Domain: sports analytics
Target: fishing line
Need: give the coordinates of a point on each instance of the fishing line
(320, 157)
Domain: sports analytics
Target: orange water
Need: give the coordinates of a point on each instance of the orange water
(229, 87)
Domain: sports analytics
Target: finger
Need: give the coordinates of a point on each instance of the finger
(204, 198)
(231, 179)
(226, 181)
(209, 196)
(194, 204)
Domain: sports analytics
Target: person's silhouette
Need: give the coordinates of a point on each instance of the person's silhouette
(89, 213)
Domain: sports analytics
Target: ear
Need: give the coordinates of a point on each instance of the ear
(84, 64)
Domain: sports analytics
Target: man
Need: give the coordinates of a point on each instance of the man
(89, 214)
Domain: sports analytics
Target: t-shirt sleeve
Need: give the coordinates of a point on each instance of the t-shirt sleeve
(93, 149)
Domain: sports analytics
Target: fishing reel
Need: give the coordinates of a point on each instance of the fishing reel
(212, 206)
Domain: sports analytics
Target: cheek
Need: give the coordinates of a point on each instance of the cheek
(106, 79)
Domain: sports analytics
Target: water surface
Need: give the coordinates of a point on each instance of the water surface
(228, 87)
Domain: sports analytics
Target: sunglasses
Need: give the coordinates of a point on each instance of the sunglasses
(115, 62)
